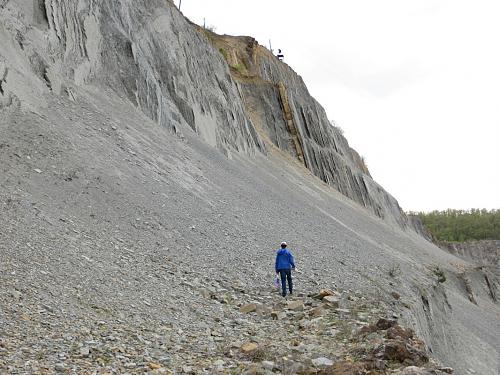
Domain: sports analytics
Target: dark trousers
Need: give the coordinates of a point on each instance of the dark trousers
(286, 275)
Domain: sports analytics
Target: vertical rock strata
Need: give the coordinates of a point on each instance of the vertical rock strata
(106, 217)
(281, 108)
(144, 50)
(149, 54)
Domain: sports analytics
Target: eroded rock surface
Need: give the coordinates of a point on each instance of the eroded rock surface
(144, 50)
(284, 113)
(485, 253)
(128, 242)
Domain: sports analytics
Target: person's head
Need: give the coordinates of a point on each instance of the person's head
(283, 244)
(279, 50)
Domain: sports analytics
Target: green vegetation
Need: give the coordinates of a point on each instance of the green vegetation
(462, 225)
(239, 67)
(440, 274)
(223, 53)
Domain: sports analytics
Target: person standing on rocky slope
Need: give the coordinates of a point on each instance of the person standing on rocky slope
(280, 55)
(284, 265)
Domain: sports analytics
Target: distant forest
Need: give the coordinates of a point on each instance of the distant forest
(462, 225)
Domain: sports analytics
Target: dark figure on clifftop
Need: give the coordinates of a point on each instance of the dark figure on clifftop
(280, 55)
(284, 265)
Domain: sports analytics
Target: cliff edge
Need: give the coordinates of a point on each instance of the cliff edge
(146, 177)
(287, 117)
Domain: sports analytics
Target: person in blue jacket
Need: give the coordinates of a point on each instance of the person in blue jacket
(284, 265)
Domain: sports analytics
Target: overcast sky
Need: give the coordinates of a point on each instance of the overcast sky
(415, 84)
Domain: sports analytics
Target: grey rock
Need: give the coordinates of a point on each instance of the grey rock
(332, 301)
(447, 370)
(268, 365)
(485, 253)
(414, 370)
(302, 128)
(248, 308)
(188, 151)
(85, 351)
(17, 295)
(322, 362)
(60, 367)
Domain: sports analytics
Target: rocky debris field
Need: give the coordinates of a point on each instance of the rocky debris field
(208, 326)
(157, 257)
(139, 210)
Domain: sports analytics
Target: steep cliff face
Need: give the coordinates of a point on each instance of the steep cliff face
(485, 253)
(285, 114)
(150, 54)
(144, 50)
(122, 244)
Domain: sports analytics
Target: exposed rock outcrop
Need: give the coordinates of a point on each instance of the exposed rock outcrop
(126, 248)
(150, 54)
(144, 50)
(285, 114)
(485, 253)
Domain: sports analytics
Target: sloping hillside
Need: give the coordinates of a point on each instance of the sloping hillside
(141, 201)
(287, 117)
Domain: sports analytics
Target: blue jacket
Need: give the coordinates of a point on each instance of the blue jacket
(284, 260)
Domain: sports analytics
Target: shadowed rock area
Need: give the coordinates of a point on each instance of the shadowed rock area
(145, 180)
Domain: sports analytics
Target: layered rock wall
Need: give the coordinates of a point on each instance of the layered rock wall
(108, 217)
(284, 112)
(145, 50)
(485, 253)
(149, 54)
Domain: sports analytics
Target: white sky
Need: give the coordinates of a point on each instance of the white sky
(415, 84)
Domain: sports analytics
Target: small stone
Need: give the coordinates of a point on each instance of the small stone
(278, 315)
(304, 324)
(326, 292)
(399, 350)
(37, 170)
(384, 324)
(447, 370)
(395, 295)
(268, 365)
(254, 370)
(17, 295)
(317, 311)
(343, 311)
(399, 332)
(48, 308)
(263, 310)
(130, 365)
(249, 347)
(322, 362)
(295, 305)
(414, 370)
(60, 367)
(248, 308)
(219, 363)
(85, 351)
(154, 366)
(332, 301)
(207, 294)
